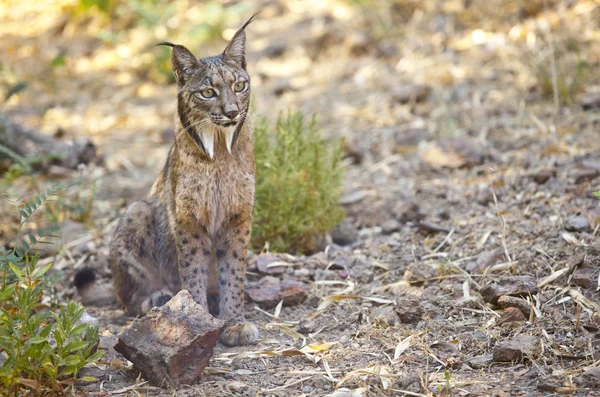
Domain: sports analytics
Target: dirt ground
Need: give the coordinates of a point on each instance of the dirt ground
(464, 182)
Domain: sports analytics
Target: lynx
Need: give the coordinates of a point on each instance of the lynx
(192, 231)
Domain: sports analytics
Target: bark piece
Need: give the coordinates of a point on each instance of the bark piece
(520, 347)
(172, 344)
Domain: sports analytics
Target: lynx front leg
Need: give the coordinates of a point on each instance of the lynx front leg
(194, 257)
(232, 271)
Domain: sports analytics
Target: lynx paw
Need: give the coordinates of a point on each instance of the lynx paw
(239, 334)
(157, 299)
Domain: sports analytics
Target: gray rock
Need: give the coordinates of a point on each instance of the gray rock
(345, 233)
(172, 344)
(269, 291)
(519, 287)
(520, 347)
(577, 223)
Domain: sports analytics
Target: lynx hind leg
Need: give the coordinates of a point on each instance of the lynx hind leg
(157, 299)
(136, 275)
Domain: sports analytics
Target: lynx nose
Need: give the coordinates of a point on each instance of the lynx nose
(231, 113)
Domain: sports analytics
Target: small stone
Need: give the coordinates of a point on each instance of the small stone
(586, 278)
(520, 347)
(409, 310)
(590, 101)
(544, 176)
(485, 196)
(307, 326)
(384, 316)
(390, 226)
(577, 223)
(352, 151)
(582, 175)
(512, 301)
(172, 344)
(510, 315)
(408, 212)
(478, 362)
(411, 92)
(344, 233)
(512, 287)
(359, 43)
(269, 291)
(269, 264)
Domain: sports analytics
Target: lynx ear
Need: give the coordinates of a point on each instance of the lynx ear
(236, 49)
(184, 62)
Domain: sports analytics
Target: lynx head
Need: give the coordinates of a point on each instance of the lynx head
(214, 92)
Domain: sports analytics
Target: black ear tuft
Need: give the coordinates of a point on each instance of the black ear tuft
(184, 62)
(236, 49)
(84, 277)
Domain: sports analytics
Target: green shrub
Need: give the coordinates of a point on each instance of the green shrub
(298, 184)
(41, 351)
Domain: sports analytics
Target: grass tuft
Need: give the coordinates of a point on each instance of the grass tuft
(298, 184)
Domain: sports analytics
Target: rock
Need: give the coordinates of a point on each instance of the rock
(269, 264)
(384, 316)
(307, 326)
(408, 310)
(408, 212)
(390, 226)
(172, 344)
(455, 152)
(586, 278)
(512, 301)
(511, 315)
(269, 291)
(359, 43)
(582, 175)
(512, 287)
(544, 176)
(352, 151)
(590, 101)
(406, 93)
(344, 233)
(478, 362)
(520, 347)
(577, 223)
(485, 196)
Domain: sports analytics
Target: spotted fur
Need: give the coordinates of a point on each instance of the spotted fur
(192, 232)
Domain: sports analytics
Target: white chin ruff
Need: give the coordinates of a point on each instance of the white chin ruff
(208, 136)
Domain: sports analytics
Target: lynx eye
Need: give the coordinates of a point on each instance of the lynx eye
(208, 93)
(239, 86)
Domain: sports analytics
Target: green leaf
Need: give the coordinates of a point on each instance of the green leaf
(96, 356)
(15, 89)
(70, 360)
(15, 270)
(32, 239)
(38, 201)
(23, 214)
(25, 245)
(89, 379)
(41, 271)
(76, 345)
(37, 340)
